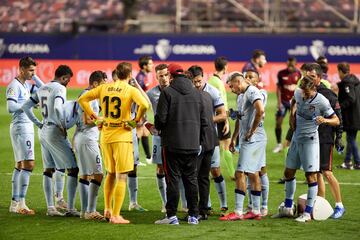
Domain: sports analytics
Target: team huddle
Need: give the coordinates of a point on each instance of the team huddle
(190, 137)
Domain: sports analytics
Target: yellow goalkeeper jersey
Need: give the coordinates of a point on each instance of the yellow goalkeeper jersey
(115, 99)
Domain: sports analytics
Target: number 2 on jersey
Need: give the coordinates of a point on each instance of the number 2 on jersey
(116, 105)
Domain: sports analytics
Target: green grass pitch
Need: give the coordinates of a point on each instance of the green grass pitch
(13, 226)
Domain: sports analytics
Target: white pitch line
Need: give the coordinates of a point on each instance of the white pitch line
(299, 182)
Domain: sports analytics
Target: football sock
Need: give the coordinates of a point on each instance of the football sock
(256, 201)
(311, 196)
(108, 191)
(71, 190)
(221, 190)
(182, 194)
(264, 190)
(24, 182)
(93, 194)
(48, 191)
(248, 190)
(59, 182)
(15, 184)
(278, 135)
(209, 202)
(162, 187)
(239, 200)
(132, 187)
(229, 162)
(145, 143)
(84, 192)
(119, 195)
(290, 187)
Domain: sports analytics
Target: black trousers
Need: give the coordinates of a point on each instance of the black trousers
(179, 165)
(203, 170)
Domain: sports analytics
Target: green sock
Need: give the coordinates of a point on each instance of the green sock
(229, 162)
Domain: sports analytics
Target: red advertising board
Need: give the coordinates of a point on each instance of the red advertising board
(83, 68)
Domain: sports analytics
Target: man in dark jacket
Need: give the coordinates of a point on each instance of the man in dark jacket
(349, 99)
(178, 118)
(326, 139)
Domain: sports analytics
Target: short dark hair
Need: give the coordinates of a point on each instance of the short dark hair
(254, 71)
(307, 82)
(257, 53)
(63, 70)
(123, 70)
(160, 67)
(220, 63)
(96, 76)
(26, 62)
(344, 67)
(322, 61)
(195, 71)
(317, 68)
(144, 60)
(305, 67)
(113, 73)
(292, 59)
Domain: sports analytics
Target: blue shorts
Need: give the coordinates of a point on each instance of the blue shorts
(305, 155)
(215, 159)
(156, 146)
(252, 157)
(285, 106)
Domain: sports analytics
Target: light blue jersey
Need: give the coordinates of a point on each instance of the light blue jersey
(154, 95)
(91, 132)
(306, 111)
(247, 112)
(215, 96)
(16, 95)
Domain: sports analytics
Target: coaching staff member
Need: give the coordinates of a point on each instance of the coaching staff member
(178, 118)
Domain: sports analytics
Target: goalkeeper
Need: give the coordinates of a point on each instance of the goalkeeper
(116, 99)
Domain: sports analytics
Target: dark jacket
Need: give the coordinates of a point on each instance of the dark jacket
(178, 116)
(326, 132)
(349, 99)
(209, 137)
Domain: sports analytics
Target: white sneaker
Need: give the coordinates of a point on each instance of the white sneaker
(264, 212)
(137, 207)
(278, 148)
(72, 213)
(60, 204)
(171, 221)
(53, 212)
(149, 160)
(94, 216)
(284, 212)
(303, 218)
(23, 209)
(13, 206)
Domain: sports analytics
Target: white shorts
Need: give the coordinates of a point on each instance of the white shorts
(23, 145)
(215, 159)
(136, 147)
(251, 156)
(156, 146)
(305, 155)
(88, 155)
(58, 146)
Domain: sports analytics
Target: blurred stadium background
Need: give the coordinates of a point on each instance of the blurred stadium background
(96, 34)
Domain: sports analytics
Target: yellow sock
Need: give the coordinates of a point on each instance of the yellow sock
(108, 190)
(119, 196)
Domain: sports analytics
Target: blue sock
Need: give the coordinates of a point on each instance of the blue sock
(162, 187)
(24, 182)
(311, 196)
(248, 190)
(48, 190)
(256, 201)
(84, 193)
(265, 186)
(59, 183)
(71, 190)
(182, 194)
(133, 188)
(93, 194)
(290, 187)
(239, 200)
(221, 190)
(15, 184)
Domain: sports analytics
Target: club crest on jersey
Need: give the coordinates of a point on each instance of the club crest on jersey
(312, 108)
(11, 92)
